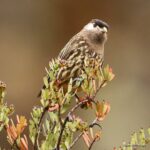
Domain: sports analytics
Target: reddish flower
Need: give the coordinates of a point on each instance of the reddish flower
(13, 132)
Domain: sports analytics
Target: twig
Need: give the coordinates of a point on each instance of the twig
(87, 97)
(77, 97)
(66, 120)
(95, 123)
(75, 140)
(73, 109)
(53, 127)
(36, 144)
(92, 124)
(61, 133)
(90, 147)
(104, 81)
(59, 116)
(78, 137)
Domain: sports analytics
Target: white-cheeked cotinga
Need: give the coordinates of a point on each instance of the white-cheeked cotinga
(87, 44)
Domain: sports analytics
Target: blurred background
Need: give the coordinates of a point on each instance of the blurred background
(34, 31)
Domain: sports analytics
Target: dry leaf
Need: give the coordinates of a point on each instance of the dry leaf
(102, 109)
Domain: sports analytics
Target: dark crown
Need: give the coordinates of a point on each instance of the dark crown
(100, 23)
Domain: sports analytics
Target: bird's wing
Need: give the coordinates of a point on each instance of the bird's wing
(70, 47)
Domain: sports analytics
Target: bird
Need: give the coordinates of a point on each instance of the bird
(86, 44)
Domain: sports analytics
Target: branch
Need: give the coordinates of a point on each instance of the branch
(59, 116)
(72, 110)
(78, 137)
(66, 120)
(94, 140)
(94, 123)
(75, 140)
(36, 144)
(53, 127)
(101, 85)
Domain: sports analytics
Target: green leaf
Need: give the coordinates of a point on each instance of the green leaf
(47, 124)
(45, 94)
(134, 139)
(50, 141)
(44, 102)
(53, 116)
(149, 131)
(45, 80)
(68, 141)
(64, 108)
(78, 82)
(142, 137)
(32, 131)
(70, 86)
(72, 126)
(108, 75)
(51, 75)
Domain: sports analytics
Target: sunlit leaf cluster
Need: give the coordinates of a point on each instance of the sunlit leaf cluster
(54, 123)
(14, 134)
(5, 110)
(13, 131)
(138, 141)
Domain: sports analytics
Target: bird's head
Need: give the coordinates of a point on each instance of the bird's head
(96, 30)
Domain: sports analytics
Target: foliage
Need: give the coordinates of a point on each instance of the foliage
(54, 121)
(138, 141)
(13, 132)
(5, 110)
(54, 125)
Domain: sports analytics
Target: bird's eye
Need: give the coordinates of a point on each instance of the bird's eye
(95, 25)
(99, 25)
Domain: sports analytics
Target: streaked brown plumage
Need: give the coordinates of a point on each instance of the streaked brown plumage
(87, 44)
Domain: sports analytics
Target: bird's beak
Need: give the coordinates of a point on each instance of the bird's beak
(104, 30)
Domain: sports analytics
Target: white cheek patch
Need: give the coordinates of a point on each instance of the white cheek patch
(89, 26)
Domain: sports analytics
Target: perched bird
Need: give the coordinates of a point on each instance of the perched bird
(90, 39)
(87, 44)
